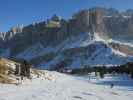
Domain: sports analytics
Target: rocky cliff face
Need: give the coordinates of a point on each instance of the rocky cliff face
(45, 40)
(1, 40)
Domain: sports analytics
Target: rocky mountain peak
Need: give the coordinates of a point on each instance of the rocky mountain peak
(56, 32)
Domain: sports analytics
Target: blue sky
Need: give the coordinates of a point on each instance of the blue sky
(13, 12)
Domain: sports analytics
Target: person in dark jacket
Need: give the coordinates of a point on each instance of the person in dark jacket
(25, 69)
(111, 85)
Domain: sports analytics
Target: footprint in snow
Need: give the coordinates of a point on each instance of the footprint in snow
(114, 93)
(78, 97)
(94, 95)
(84, 93)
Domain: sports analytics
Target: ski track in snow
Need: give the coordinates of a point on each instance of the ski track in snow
(65, 87)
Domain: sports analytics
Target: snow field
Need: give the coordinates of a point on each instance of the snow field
(66, 87)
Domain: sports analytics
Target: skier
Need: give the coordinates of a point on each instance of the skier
(111, 85)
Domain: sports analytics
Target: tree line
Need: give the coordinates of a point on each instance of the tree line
(101, 69)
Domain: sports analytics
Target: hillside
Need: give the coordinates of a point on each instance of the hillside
(8, 76)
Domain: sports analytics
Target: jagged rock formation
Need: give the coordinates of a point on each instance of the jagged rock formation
(126, 48)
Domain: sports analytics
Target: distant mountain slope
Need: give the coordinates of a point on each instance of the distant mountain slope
(35, 51)
(76, 51)
(84, 51)
(96, 53)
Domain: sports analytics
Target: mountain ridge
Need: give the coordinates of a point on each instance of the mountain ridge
(44, 41)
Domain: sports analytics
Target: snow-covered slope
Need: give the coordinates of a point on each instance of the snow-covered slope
(83, 52)
(82, 40)
(66, 87)
(97, 53)
(102, 55)
(80, 50)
